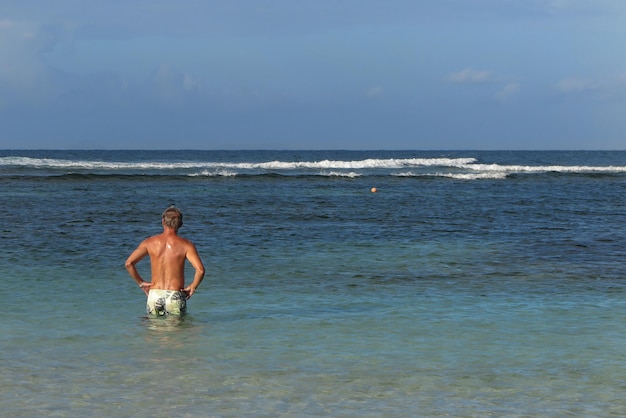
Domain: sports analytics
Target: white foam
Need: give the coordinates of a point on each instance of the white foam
(215, 173)
(474, 176)
(458, 168)
(350, 174)
(269, 165)
(545, 169)
(458, 176)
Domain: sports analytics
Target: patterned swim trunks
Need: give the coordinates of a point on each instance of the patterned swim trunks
(166, 302)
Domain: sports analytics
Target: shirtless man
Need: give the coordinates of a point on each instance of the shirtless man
(166, 292)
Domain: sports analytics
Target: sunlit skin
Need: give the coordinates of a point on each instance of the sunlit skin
(167, 252)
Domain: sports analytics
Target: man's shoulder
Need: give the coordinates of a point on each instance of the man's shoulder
(186, 241)
(174, 238)
(153, 239)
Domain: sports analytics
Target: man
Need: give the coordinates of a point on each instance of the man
(167, 294)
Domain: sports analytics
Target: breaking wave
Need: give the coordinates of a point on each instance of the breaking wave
(453, 168)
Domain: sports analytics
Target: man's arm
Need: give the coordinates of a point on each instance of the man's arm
(196, 262)
(133, 259)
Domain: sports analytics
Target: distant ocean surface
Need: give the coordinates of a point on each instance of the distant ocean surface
(470, 284)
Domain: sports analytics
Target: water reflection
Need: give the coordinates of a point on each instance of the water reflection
(170, 340)
(167, 323)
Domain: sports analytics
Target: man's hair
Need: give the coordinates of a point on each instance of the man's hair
(173, 218)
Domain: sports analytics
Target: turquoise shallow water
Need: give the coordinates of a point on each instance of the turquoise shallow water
(436, 296)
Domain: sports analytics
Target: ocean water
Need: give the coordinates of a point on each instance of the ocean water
(470, 284)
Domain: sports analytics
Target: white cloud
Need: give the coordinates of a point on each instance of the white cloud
(190, 83)
(13, 36)
(6, 24)
(375, 91)
(24, 48)
(581, 6)
(509, 86)
(471, 76)
(508, 91)
(21, 67)
(576, 85)
(173, 85)
(609, 88)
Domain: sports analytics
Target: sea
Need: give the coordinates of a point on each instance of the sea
(339, 284)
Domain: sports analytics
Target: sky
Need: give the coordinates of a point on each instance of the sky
(313, 74)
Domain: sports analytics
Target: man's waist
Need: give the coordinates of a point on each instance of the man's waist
(159, 289)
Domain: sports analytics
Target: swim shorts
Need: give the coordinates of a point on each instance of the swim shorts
(166, 302)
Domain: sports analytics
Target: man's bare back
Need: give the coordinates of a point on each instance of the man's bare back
(167, 252)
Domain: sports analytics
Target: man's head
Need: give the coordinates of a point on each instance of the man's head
(173, 218)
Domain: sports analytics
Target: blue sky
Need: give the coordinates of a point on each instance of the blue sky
(313, 74)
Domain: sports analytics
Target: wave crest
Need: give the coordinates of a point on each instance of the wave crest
(455, 168)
